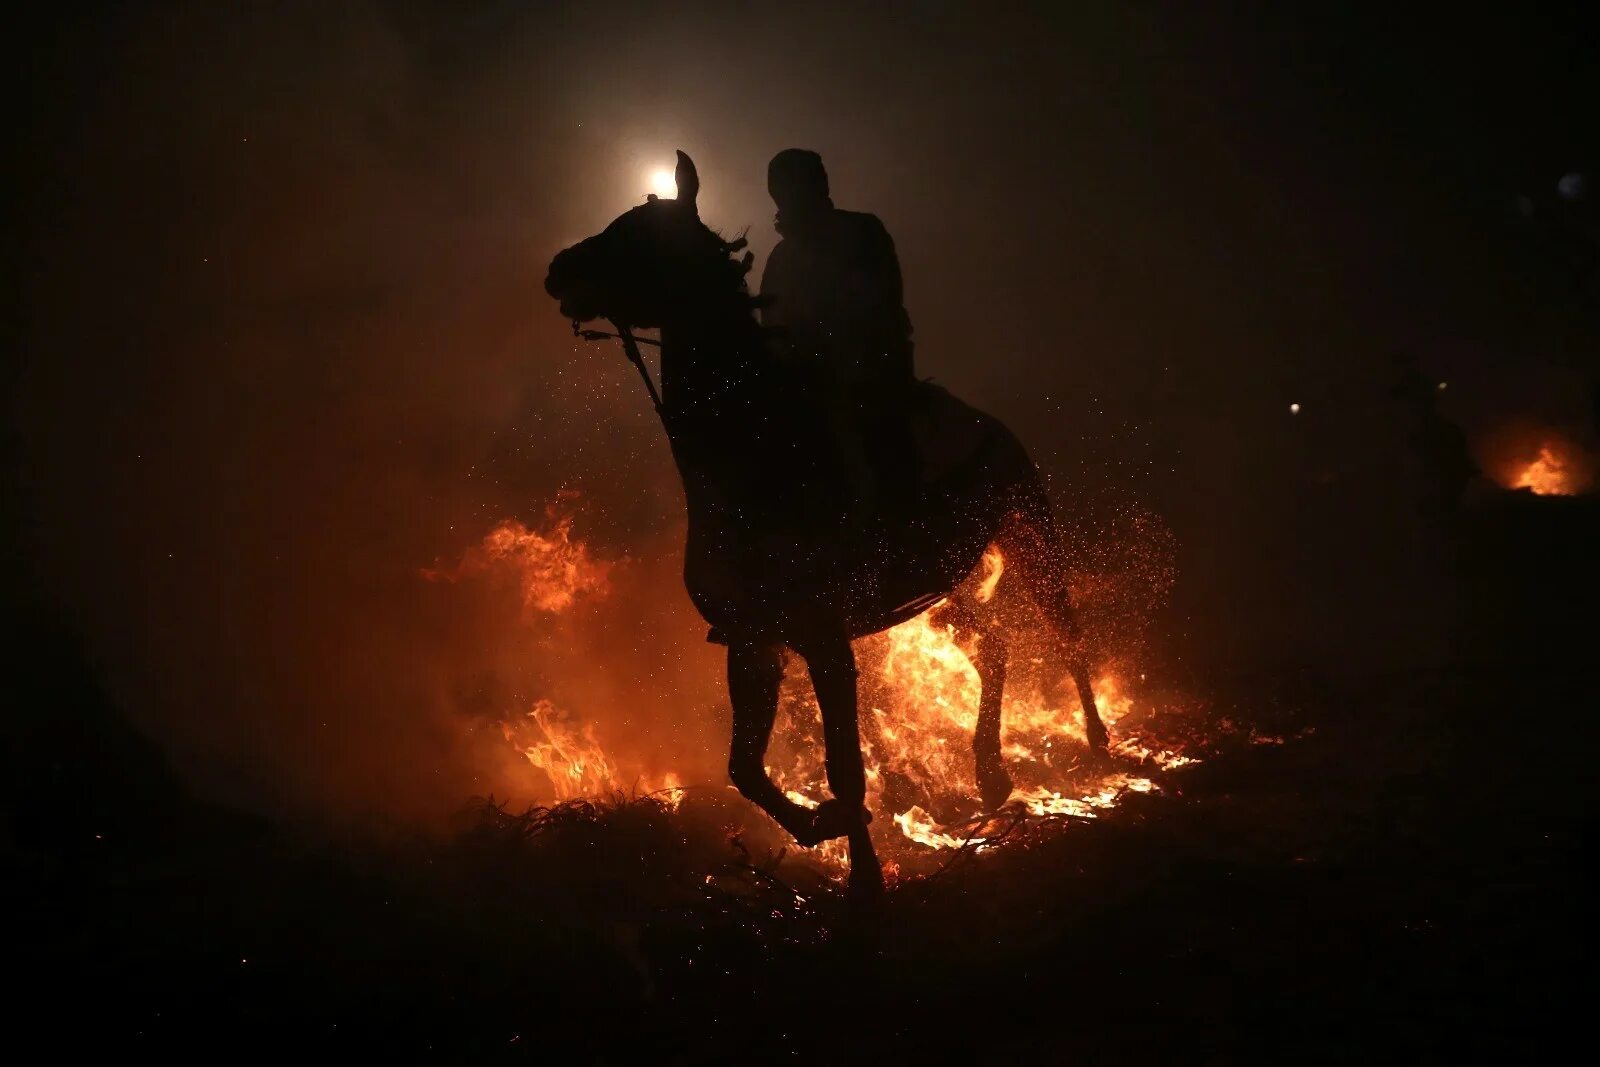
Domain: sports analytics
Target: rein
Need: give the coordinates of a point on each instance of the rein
(630, 346)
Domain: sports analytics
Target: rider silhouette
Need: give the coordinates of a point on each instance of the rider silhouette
(832, 288)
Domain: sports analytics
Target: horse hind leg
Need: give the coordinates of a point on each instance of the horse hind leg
(1033, 547)
(989, 659)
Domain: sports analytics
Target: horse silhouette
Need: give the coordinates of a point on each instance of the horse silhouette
(773, 558)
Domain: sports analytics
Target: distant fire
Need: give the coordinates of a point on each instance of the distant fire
(919, 709)
(1551, 473)
(1539, 459)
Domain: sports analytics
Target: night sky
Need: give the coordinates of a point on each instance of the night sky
(283, 338)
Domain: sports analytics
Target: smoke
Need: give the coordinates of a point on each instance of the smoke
(287, 348)
(285, 344)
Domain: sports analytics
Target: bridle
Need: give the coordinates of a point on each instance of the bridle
(630, 343)
(630, 346)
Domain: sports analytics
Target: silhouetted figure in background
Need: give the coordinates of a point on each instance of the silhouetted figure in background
(1447, 464)
(833, 290)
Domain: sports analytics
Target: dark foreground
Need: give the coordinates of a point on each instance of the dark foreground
(1401, 879)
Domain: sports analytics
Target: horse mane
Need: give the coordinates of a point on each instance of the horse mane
(738, 270)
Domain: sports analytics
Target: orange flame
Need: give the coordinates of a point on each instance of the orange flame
(920, 696)
(551, 568)
(1551, 473)
(994, 565)
(575, 764)
(924, 710)
(564, 751)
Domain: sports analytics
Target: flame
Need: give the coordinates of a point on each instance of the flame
(1551, 473)
(564, 751)
(917, 825)
(919, 701)
(1043, 801)
(994, 565)
(573, 761)
(923, 707)
(551, 569)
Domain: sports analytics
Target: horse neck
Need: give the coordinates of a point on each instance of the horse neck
(711, 360)
(716, 394)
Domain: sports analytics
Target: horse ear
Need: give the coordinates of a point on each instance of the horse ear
(687, 180)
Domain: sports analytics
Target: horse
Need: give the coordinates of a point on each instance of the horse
(769, 562)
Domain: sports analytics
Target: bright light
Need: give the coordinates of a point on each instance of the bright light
(662, 183)
(1294, 409)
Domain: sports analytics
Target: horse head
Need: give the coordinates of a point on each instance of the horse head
(653, 264)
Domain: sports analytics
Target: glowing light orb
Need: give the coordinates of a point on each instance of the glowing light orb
(662, 183)
(1294, 409)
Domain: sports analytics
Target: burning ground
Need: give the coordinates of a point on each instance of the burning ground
(919, 697)
(1400, 872)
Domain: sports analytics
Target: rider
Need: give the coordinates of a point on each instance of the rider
(832, 288)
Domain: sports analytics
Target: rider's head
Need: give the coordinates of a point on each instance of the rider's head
(797, 181)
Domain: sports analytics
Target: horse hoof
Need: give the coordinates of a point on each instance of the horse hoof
(1097, 736)
(835, 818)
(806, 835)
(994, 787)
(866, 887)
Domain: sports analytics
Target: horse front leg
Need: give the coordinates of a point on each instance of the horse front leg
(833, 675)
(755, 672)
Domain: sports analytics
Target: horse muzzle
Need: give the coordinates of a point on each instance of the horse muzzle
(565, 283)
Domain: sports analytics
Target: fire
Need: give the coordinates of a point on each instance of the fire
(922, 698)
(1551, 473)
(917, 825)
(572, 760)
(1047, 802)
(994, 565)
(564, 751)
(551, 569)
(919, 707)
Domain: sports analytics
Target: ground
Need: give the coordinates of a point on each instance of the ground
(1401, 877)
